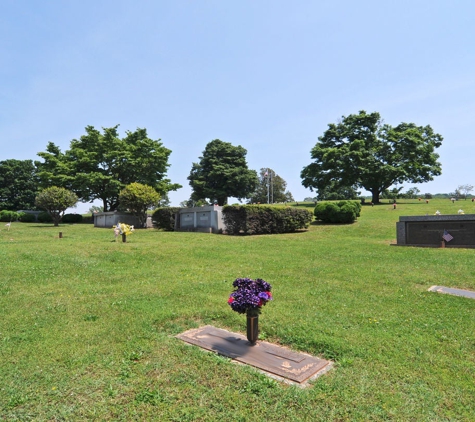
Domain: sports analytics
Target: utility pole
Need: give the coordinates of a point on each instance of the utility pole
(271, 188)
(268, 186)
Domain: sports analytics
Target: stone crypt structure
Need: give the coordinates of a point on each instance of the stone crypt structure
(208, 219)
(450, 231)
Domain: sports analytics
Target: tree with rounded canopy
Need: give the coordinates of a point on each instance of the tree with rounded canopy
(332, 193)
(55, 201)
(362, 151)
(222, 173)
(271, 187)
(191, 202)
(99, 165)
(18, 185)
(139, 198)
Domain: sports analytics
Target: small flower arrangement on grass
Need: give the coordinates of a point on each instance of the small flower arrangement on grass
(249, 296)
(122, 229)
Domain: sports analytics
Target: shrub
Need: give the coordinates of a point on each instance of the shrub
(26, 217)
(44, 217)
(88, 219)
(326, 211)
(8, 216)
(255, 219)
(164, 218)
(354, 204)
(72, 218)
(234, 217)
(342, 212)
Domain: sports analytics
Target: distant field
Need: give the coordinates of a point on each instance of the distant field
(87, 324)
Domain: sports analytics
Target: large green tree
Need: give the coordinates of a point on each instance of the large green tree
(99, 165)
(271, 188)
(222, 173)
(55, 201)
(332, 192)
(18, 185)
(364, 152)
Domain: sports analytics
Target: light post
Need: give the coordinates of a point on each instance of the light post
(268, 186)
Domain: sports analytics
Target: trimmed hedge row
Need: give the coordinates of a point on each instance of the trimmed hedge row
(71, 218)
(8, 216)
(164, 218)
(258, 219)
(26, 217)
(342, 212)
(43, 217)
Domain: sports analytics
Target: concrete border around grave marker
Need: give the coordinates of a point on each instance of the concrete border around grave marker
(454, 292)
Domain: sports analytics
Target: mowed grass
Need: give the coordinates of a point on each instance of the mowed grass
(88, 325)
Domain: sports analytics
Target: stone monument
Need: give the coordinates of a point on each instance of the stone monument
(207, 219)
(450, 231)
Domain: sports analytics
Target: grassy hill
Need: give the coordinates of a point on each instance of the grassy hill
(87, 324)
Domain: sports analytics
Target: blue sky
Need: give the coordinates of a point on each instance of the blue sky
(265, 74)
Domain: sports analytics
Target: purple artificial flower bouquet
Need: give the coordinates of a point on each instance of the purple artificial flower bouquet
(249, 295)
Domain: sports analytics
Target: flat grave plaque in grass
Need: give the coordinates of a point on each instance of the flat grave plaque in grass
(270, 358)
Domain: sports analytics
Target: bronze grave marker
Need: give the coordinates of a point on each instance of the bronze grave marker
(293, 366)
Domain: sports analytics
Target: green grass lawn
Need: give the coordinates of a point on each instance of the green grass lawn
(87, 324)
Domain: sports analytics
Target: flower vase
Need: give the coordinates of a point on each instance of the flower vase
(252, 328)
(124, 237)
